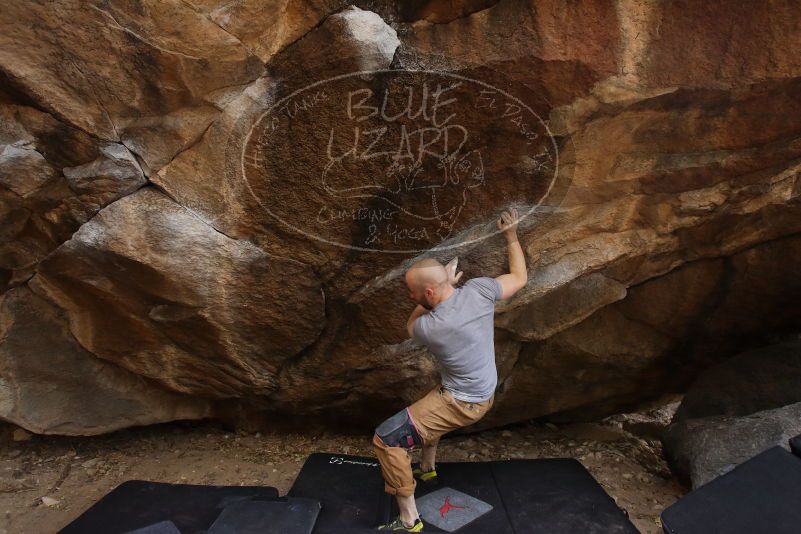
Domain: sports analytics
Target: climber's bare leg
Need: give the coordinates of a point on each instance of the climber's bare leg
(428, 460)
(408, 509)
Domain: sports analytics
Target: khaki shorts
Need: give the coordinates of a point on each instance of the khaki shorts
(433, 415)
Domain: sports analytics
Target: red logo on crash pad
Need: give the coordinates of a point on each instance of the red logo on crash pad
(447, 506)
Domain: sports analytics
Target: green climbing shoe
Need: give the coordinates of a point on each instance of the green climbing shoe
(429, 477)
(397, 524)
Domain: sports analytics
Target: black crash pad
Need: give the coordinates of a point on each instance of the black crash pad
(139, 504)
(287, 516)
(761, 495)
(162, 527)
(525, 496)
(795, 445)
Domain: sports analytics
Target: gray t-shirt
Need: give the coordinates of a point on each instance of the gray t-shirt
(459, 332)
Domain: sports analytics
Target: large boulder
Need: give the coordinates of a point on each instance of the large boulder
(267, 27)
(152, 74)
(300, 156)
(703, 449)
(53, 178)
(148, 286)
(736, 410)
(49, 384)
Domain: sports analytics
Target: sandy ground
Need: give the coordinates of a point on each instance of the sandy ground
(48, 481)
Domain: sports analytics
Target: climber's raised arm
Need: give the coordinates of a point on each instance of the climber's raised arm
(518, 274)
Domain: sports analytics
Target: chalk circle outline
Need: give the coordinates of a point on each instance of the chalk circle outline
(281, 101)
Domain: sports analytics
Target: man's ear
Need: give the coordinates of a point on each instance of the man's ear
(430, 294)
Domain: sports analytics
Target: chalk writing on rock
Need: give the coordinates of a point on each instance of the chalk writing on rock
(396, 161)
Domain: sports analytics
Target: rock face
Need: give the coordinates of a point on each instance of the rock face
(151, 74)
(220, 198)
(713, 446)
(49, 384)
(736, 410)
(218, 330)
(53, 178)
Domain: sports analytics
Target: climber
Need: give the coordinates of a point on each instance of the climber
(456, 325)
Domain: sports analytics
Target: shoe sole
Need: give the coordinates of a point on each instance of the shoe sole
(430, 481)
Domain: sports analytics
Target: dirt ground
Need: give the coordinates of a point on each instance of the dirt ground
(48, 481)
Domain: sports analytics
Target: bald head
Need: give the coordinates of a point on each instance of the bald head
(427, 281)
(426, 273)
